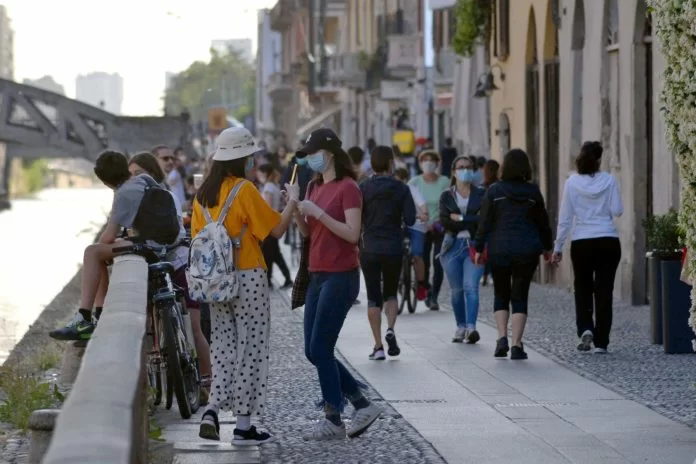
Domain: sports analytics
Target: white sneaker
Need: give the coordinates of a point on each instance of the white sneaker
(460, 335)
(601, 351)
(326, 430)
(363, 419)
(377, 354)
(586, 341)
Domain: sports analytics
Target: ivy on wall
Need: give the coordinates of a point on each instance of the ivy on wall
(472, 25)
(674, 23)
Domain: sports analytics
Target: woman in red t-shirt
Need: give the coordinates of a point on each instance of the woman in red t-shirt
(331, 217)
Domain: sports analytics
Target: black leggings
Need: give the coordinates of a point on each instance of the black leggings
(511, 284)
(272, 254)
(594, 265)
(382, 274)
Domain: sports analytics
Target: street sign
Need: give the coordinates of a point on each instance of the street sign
(217, 119)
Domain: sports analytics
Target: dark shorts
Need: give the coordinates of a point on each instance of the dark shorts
(180, 281)
(382, 273)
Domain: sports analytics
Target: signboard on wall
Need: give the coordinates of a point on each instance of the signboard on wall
(395, 90)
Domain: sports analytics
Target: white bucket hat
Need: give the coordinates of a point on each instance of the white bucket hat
(234, 143)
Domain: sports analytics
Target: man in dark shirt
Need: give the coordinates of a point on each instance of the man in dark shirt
(448, 155)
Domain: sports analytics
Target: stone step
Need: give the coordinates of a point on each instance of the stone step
(239, 457)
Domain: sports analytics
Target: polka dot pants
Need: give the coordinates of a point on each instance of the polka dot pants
(240, 333)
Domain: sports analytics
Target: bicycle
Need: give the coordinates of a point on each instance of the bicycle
(173, 352)
(407, 282)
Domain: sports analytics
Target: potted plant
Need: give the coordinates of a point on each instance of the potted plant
(665, 239)
(662, 237)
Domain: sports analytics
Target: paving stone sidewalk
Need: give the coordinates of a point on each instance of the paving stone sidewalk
(635, 368)
(293, 392)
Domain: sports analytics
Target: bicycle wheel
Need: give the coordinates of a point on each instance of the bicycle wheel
(181, 370)
(412, 289)
(405, 286)
(154, 371)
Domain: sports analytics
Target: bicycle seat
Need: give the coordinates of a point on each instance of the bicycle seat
(161, 267)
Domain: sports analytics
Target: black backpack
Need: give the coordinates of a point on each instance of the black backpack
(157, 218)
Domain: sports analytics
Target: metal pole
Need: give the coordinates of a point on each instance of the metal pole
(322, 42)
(311, 69)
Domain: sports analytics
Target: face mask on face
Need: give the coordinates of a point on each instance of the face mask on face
(249, 165)
(316, 162)
(428, 167)
(478, 177)
(301, 161)
(465, 175)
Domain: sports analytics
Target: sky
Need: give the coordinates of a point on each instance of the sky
(139, 39)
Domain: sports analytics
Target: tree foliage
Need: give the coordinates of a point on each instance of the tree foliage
(225, 79)
(472, 25)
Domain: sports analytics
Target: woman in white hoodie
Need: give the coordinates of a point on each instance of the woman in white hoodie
(591, 201)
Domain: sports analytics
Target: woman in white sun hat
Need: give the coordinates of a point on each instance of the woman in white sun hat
(240, 328)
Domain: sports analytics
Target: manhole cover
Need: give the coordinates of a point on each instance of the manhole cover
(532, 405)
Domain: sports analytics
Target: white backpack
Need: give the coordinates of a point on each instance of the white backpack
(212, 267)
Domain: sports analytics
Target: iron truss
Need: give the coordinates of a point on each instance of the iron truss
(37, 123)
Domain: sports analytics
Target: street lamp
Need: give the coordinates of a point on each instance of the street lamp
(486, 82)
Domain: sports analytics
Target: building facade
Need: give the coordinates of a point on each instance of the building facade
(569, 71)
(303, 96)
(268, 62)
(102, 90)
(46, 83)
(6, 45)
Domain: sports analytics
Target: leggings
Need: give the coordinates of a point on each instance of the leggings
(511, 284)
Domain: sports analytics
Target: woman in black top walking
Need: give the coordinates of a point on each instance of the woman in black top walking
(387, 205)
(515, 226)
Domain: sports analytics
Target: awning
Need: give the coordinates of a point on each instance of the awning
(317, 121)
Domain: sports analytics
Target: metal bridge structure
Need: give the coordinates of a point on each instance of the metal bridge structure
(36, 123)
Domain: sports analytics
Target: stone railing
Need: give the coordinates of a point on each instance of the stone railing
(105, 418)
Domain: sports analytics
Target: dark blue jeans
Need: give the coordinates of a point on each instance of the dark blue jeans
(330, 296)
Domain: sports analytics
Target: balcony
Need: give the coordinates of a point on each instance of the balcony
(403, 55)
(279, 87)
(348, 70)
(282, 15)
(445, 63)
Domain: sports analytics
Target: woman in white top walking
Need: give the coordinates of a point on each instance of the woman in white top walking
(591, 200)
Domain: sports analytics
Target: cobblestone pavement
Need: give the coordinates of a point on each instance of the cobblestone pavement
(635, 368)
(293, 391)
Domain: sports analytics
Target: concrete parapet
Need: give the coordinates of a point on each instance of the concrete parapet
(72, 359)
(41, 424)
(104, 418)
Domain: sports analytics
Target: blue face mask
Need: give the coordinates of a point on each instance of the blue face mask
(301, 161)
(316, 162)
(478, 177)
(249, 165)
(465, 175)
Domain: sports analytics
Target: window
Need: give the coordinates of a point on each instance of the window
(612, 22)
(504, 28)
(452, 25)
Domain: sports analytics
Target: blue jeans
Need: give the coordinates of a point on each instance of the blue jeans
(330, 296)
(464, 277)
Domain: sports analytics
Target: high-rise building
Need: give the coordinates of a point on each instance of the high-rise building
(101, 89)
(242, 46)
(46, 83)
(6, 45)
(268, 62)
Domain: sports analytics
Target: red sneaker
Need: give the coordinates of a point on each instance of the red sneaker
(421, 293)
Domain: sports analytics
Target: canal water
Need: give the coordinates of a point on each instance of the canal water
(41, 244)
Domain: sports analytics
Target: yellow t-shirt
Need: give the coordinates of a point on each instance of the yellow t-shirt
(248, 208)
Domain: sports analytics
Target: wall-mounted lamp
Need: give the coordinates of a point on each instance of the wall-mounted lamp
(486, 82)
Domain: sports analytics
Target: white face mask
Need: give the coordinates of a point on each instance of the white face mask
(428, 167)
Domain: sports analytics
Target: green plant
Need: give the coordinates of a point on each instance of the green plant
(472, 25)
(673, 22)
(663, 232)
(24, 392)
(154, 431)
(47, 358)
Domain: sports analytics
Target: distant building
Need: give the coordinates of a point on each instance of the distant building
(6, 45)
(168, 79)
(101, 89)
(243, 46)
(46, 83)
(268, 62)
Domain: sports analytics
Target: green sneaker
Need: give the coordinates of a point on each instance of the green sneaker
(77, 329)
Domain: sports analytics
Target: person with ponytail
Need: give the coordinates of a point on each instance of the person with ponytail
(331, 216)
(591, 201)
